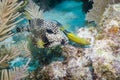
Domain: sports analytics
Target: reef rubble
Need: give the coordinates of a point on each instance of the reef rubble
(100, 61)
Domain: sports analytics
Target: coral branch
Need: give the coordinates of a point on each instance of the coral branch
(9, 53)
(8, 15)
(33, 10)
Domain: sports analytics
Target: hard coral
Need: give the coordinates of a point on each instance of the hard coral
(75, 67)
(54, 71)
(88, 33)
(111, 17)
(99, 7)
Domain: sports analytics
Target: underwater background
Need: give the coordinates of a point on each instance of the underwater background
(59, 40)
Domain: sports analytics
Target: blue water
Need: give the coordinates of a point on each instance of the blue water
(68, 13)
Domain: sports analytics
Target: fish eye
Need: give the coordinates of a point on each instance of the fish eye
(49, 31)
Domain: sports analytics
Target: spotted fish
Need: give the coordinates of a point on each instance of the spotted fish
(48, 32)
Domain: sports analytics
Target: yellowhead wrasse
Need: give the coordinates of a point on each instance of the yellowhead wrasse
(71, 36)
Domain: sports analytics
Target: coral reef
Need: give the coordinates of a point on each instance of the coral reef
(110, 19)
(8, 53)
(88, 33)
(100, 61)
(99, 6)
(15, 73)
(74, 67)
(105, 51)
(103, 58)
(9, 18)
(12, 50)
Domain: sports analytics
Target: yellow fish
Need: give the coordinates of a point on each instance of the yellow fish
(74, 38)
